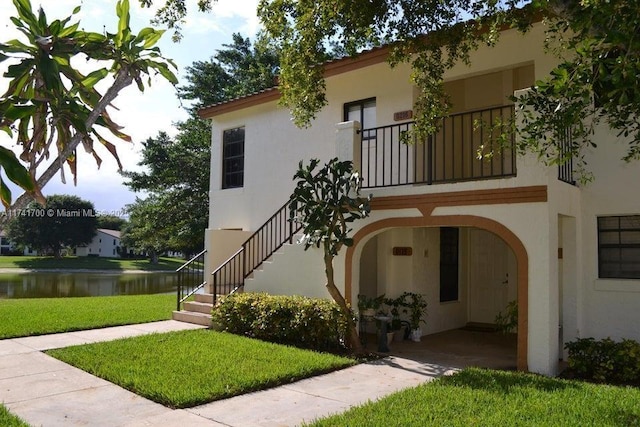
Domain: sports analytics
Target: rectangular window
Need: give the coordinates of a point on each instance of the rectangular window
(233, 158)
(448, 264)
(619, 247)
(363, 111)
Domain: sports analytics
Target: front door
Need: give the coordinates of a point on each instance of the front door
(489, 279)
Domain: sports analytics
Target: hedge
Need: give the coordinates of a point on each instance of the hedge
(303, 322)
(605, 360)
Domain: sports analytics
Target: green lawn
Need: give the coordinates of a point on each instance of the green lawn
(9, 420)
(187, 368)
(477, 397)
(38, 316)
(89, 263)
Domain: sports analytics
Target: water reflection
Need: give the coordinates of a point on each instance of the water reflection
(54, 285)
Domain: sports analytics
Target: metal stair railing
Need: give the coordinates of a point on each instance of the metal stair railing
(271, 236)
(190, 278)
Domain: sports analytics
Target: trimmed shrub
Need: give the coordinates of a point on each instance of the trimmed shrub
(303, 322)
(605, 360)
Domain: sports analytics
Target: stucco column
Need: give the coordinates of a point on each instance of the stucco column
(347, 142)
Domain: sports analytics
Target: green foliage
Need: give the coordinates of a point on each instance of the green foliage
(325, 202)
(173, 13)
(595, 42)
(365, 302)
(111, 222)
(605, 360)
(237, 70)
(507, 320)
(311, 323)
(51, 106)
(596, 82)
(175, 174)
(146, 231)
(64, 221)
(417, 307)
(188, 368)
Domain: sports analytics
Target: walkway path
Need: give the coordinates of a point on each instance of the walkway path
(47, 392)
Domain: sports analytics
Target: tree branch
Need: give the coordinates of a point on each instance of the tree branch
(122, 80)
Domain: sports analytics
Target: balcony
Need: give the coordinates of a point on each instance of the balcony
(466, 148)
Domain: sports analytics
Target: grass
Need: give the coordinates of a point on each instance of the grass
(9, 420)
(38, 316)
(88, 263)
(188, 368)
(495, 398)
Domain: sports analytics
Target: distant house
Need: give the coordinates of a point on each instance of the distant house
(106, 243)
(7, 247)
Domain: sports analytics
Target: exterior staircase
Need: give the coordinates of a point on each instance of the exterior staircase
(197, 311)
(194, 306)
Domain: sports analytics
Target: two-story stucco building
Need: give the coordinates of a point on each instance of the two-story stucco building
(481, 232)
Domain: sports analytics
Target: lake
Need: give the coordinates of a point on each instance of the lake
(54, 285)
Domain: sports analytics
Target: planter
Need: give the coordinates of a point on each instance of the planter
(415, 335)
(390, 336)
(368, 313)
(398, 335)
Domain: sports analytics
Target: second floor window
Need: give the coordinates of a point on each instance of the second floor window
(233, 158)
(363, 111)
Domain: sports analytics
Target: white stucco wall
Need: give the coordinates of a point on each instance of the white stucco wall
(610, 306)
(102, 245)
(564, 292)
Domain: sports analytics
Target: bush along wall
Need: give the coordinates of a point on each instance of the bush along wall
(605, 360)
(303, 322)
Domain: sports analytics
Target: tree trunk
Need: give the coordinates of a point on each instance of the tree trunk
(153, 257)
(352, 338)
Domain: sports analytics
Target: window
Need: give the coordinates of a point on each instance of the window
(448, 264)
(233, 158)
(619, 247)
(363, 111)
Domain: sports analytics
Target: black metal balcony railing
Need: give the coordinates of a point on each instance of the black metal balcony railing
(467, 147)
(565, 168)
(274, 233)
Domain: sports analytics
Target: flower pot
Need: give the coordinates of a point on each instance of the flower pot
(415, 335)
(368, 313)
(390, 336)
(398, 336)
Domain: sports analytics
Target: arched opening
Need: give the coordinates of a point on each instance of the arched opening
(468, 267)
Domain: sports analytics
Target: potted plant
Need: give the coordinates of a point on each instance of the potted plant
(396, 305)
(368, 306)
(417, 306)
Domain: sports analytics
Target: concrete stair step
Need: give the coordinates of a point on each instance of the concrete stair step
(199, 307)
(206, 298)
(192, 317)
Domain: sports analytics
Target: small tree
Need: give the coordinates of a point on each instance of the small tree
(325, 202)
(145, 231)
(64, 221)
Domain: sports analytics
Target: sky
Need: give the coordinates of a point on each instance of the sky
(143, 114)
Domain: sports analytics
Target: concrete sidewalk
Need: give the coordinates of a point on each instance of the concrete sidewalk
(46, 392)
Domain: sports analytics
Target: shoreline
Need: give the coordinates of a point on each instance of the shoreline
(20, 270)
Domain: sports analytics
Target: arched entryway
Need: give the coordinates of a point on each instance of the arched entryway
(478, 232)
